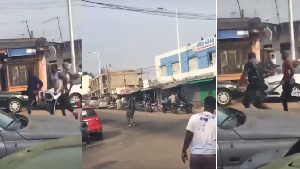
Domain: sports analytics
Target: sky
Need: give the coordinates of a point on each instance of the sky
(265, 9)
(129, 40)
(13, 12)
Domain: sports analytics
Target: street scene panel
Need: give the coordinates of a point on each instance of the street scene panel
(149, 84)
(40, 78)
(258, 84)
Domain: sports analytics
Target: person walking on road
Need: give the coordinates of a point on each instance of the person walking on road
(130, 113)
(201, 137)
(287, 81)
(34, 86)
(254, 73)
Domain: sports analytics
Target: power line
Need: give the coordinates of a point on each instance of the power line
(277, 12)
(160, 12)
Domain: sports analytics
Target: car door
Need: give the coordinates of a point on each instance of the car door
(3, 100)
(2, 146)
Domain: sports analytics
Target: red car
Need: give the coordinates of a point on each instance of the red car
(93, 121)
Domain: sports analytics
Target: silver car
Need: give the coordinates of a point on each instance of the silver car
(253, 138)
(102, 104)
(93, 101)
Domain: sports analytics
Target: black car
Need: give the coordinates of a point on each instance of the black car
(227, 91)
(23, 131)
(12, 101)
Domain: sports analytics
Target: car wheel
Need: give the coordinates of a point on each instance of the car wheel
(224, 97)
(75, 99)
(100, 136)
(14, 105)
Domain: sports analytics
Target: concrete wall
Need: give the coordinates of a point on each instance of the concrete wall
(117, 79)
(85, 84)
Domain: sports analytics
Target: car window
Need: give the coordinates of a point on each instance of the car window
(94, 98)
(88, 113)
(297, 70)
(228, 118)
(5, 119)
(77, 81)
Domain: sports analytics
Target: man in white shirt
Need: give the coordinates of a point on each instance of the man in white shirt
(201, 137)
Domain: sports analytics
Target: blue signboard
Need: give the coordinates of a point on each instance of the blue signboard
(21, 52)
(232, 34)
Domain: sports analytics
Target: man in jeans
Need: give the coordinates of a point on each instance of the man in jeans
(201, 137)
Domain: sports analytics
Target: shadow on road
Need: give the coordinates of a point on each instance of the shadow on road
(105, 121)
(104, 164)
(106, 136)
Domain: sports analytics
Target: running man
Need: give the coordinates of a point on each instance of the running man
(34, 86)
(254, 94)
(287, 81)
(201, 137)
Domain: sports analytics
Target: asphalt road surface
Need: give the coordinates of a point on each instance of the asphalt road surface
(155, 143)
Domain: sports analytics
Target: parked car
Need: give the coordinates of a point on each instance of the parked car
(253, 138)
(65, 153)
(273, 81)
(22, 131)
(92, 101)
(93, 121)
(226, 92)
(12, 101)
(102, 104)
(112, 105)
(75, 95)
(292, 162)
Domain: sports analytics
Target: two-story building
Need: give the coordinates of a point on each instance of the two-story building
(190, 69)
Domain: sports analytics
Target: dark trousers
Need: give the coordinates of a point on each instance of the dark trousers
(201, 161)
(64, 103)
(31, 101)
(286, 94)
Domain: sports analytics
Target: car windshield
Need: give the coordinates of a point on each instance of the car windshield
(94, 98)
(88, 113)
(229, 118)
(77, 81)
(5, 120)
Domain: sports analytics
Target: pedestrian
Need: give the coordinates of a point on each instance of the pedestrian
(270, 66)
(287, 81)
(201, 137)
(130, 113)
(34, 85)
(173, 98)
(254, 73)
(119, 103)
(64, 99)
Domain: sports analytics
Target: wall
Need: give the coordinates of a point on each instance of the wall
(85, 84)
(117, 79)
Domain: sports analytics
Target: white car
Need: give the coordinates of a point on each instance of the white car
(75, 94)
(274, 81)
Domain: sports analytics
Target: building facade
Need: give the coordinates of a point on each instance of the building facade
(16, 56)
(193, 74)
(235, 40)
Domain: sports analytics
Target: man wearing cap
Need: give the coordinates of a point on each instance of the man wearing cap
(201, 137)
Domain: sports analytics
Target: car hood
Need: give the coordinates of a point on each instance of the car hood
(292, 162)
(49, 127)
(269, 124)
(48, 155)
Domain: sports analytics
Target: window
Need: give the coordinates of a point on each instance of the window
(193, 64)
(52, 61)
(163, 71)
(18, 74)
(175, 68)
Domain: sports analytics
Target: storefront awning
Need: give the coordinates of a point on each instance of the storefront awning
(201, 80)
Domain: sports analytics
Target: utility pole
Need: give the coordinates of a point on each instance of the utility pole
(59, 30)
(71, 36)
(178, 46)
(292, 34)
(142, 73)
(30, 36)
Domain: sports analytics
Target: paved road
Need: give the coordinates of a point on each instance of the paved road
(155, 143)
(293, 106)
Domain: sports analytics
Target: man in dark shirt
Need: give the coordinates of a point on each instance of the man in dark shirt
(254, 71)
(34, 86)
